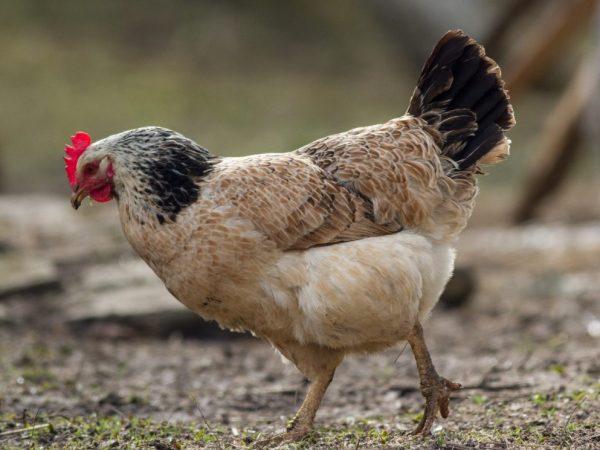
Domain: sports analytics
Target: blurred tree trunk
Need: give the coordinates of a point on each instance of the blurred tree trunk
(558, 147)
(504, 23)
(2, 173)
(549, 38)
(413, 27)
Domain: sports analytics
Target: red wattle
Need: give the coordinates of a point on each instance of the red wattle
(102, 194)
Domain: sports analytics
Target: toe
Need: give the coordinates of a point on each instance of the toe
(444, 402)
(426, 423)
(429, 418)
(436, 398)
(444, 405)
(451, 385)
(294, 435)
(419, 427)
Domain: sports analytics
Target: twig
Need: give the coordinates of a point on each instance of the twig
(117, 410)
(25, 430)
(210, 428)
(575, 408)
(358, 440)
(35, 418)
(526, 359)
(483, 386)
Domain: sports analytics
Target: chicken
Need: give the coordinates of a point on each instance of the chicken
(342, 246)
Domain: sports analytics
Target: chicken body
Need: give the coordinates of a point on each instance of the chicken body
(238, 257)
(341, 246)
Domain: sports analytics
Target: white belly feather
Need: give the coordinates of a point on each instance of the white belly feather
(360, 294)
(357, 295)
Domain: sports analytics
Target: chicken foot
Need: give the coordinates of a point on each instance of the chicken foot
(305, 416)
(302, 422)
(318, 364)
(434, 388)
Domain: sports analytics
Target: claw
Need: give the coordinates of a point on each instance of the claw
(444, 403)
(437, 396)
(293, 435)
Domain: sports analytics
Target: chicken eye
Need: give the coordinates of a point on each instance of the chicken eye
(90, 169)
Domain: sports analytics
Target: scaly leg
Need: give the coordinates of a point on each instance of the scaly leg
(304, 418)
(319, 364)
(434, 388)
(302, 422)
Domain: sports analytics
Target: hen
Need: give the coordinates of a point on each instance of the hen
(342, 246)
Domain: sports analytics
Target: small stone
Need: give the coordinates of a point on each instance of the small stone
(593, 327)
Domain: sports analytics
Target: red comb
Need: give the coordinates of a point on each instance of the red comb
(80, 142)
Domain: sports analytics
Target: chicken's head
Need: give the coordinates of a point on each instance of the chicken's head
(90, 173)
(154, 171)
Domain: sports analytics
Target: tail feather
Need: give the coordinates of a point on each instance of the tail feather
(461, 93)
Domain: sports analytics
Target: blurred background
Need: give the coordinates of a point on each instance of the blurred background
(248, 77)
(243, 77)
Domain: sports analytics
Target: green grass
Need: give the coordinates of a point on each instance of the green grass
(107, 432)
(554, 424)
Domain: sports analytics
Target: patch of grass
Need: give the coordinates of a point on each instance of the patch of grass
(550, 411)
(109, 432)
(38, 375)
(577, 395)
(479, 399)
(539, 399)
(440, 439)
(416, 418)
(124, 433)
(557, 368)
(380, 436)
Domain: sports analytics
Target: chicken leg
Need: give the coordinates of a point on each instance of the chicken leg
(319, 365)
(435, 389)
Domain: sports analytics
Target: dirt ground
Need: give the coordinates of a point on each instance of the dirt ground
(525, 347)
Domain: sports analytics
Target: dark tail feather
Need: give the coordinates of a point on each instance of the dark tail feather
(461, 93)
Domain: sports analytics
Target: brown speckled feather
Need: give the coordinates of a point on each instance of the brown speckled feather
(394, 165)
(291, 200)
(366, 182)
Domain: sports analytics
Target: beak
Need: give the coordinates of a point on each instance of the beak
(78, 195)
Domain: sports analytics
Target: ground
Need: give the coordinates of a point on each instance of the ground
(525, 348)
